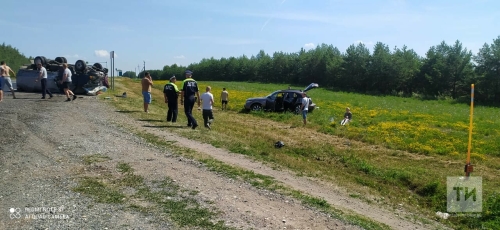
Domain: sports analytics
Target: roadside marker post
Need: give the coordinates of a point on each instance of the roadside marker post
(468, 166)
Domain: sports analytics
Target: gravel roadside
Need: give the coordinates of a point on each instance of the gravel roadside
(42, 143)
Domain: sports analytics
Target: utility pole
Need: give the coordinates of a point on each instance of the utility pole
(144, 66)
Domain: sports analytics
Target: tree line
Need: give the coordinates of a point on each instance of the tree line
(12, 57)
(447, 70)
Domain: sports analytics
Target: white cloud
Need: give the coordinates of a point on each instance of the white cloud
(309, 46)
(102, 53)
(180, 57)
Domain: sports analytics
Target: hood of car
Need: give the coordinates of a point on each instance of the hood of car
(256, 99)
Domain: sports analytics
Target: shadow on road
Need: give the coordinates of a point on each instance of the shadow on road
(162, 126)
(128, 111)
(150, 120)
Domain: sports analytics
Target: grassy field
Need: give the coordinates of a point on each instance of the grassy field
(395, 151)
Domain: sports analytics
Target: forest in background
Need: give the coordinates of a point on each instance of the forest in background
(446, 71)
(12, 57)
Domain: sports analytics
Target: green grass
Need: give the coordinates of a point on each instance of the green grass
(258, 181)
(94, 158)
(439, 127)
(168, 201)
(99, 190)
(434, 134)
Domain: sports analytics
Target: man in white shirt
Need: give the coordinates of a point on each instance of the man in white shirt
(66, 81)
(208, 100)
(304, 107)
(42, 77)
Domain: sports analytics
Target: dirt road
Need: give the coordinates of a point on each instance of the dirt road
(43, 142)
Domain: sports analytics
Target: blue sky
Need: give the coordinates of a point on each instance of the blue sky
(165, 32)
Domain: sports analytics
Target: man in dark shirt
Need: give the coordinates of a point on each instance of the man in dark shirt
(189, 90)
(171, 93)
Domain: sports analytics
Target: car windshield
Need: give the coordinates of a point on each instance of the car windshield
(272, 96)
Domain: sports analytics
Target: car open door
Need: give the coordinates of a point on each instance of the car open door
(279, 102)
(271, 101)
(311, 86)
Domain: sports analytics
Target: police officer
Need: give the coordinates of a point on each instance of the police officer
(171, 92)
(189, 90)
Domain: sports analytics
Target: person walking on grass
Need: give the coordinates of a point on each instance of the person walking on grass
(146, 82)
(208, 100)
(189, 90)
(42, 77)
(304, 107)
(224, 98)
(4, 72)
(171, 93)
(66, 81)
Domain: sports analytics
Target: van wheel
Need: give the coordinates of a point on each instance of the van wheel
(60, 60)
(80, 65)
(98, 66)
(41, 60)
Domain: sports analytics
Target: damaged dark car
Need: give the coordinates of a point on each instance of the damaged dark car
(281, 101)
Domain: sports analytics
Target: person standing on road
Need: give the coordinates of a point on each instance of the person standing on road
(304, 107)
(189, 90)
(42, 77)
(4, 71)
(208, 100)
(66, 81)
(147, 82)
(224, 98)
(171, 93)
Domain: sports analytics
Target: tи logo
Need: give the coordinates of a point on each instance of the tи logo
(464, 194)
(15, 213)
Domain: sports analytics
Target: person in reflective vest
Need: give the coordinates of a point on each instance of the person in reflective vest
(171, 93)
(188, 93)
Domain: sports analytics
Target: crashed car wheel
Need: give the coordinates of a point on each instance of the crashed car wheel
(297, 109)
(60, 60)
(256, 107)
(64, 60)
(80, 65)
(41, 60)
(98, 66)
